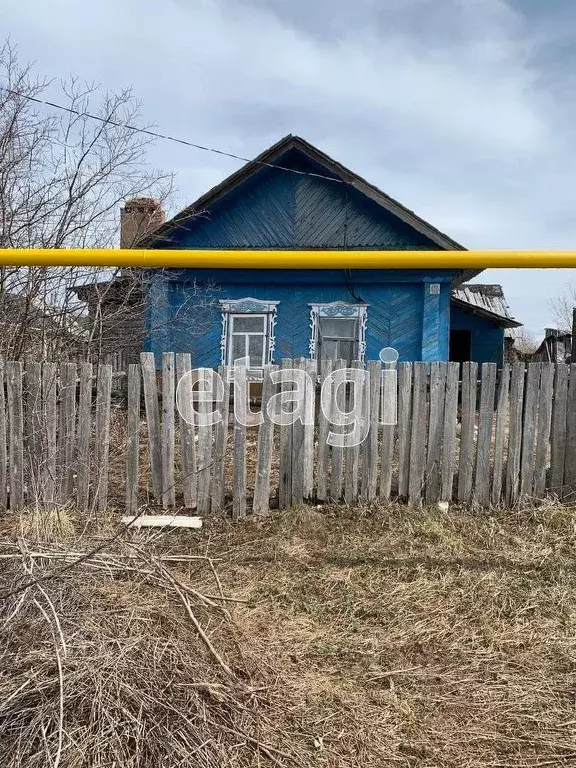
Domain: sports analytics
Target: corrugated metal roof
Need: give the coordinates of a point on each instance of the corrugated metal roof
(488, 300)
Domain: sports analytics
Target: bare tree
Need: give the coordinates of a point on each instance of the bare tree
(63, 176)
(525, 342)
(562, 308)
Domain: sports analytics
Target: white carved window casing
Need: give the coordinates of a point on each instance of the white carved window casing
(248, 332)
(338, 331)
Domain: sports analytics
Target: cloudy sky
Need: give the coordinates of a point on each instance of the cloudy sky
(463, 110)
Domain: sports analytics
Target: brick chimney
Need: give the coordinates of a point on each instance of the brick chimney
(138, 218)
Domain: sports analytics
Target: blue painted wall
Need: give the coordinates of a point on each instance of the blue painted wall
(487, 338)
(184, 314)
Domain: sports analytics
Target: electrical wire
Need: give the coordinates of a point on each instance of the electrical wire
(168, 137)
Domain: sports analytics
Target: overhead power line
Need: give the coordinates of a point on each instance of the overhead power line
(167, 137)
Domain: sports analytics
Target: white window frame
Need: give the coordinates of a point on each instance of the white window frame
(339, 310)
(248, 307)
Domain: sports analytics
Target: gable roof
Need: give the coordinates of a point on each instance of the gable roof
(334, 170)
(486, 301)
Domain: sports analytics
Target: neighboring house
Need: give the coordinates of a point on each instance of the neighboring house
(34, 330)
(312, 202)
(555, 348)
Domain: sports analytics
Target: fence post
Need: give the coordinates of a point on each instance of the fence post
(515, 433)
(418, 435)
(435, 424)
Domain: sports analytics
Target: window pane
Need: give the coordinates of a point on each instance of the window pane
(347, 350)
(248, 324)
(238, 347)
(338, 327)
(329, 350)
(256, 350)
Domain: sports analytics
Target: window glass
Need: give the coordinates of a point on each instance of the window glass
(338, 327)
(248, 324)
(256, 350)
(238, 347)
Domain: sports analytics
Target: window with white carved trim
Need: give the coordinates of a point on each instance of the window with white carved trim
(338, 331)
(248, 332)
(247, 337)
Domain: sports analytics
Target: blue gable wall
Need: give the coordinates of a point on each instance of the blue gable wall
(277, 209)
(280, 209)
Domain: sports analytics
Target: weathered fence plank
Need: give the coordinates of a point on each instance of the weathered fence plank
(220, 445)
(298, 448)
(418, 435)
(386, 386)
(515, 433)
(356, 394)
(435, 424)
(570, 457)
(84, 434)
(467, 457)
(239, 485)
(529, 428)
(33, 423)
(338, 404)
(15, 433)
(133, 438)
(66, 432)
(102, 435)
(543, 426)
(204, 464)
(310, 366)
(285, 487)
(370, 447)
(485, 423)
(49, 383)
(500, 434)
(404, 426)
(323, 429)
(558, 446)
(148, 366)
(261, 503)
(3, 447)
(449, 431)
(168, 431)
(186, 428)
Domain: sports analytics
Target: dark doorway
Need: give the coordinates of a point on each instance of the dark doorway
(460, 346)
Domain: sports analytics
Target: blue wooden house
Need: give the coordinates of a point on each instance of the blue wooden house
(294, 196)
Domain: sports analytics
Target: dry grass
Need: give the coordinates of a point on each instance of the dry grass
(369, 637)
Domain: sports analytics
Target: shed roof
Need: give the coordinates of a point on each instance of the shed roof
(487, 300)
(271, 157)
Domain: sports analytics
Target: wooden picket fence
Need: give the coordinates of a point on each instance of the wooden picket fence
(476, 436)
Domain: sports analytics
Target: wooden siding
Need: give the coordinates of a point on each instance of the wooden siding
(276, 209)
(395, 315)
